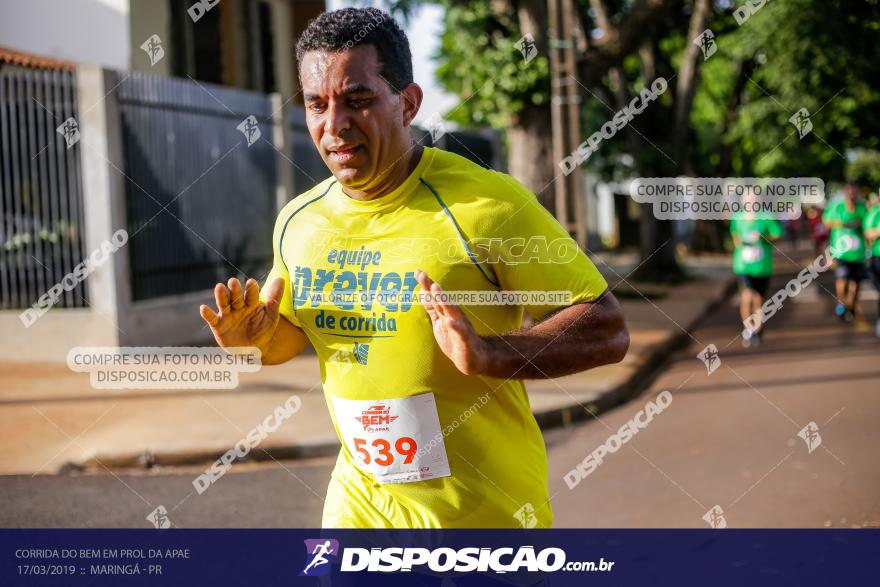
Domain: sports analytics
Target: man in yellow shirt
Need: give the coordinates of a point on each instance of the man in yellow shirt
(425, 391)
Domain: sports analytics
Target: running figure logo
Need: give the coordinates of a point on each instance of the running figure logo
(159, 518)
(706, 43)
(810, 435)
(526, 516)
(715, 518)
(801, 121)
(526, 46)
(318, 550)
(69, 129)
(436, 127)
(710, 358)
(345, 360)
(153, 48)
(250, 130)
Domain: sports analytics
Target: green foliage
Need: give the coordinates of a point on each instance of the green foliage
(821, 56)
(864, 169)
(481, 63)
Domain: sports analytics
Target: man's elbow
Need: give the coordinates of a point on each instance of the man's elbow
(618, 344)
(617, 339)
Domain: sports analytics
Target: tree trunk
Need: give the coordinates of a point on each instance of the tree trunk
(530, 153)
(686, 84)
(709, 235)
(657, 261)
(657, 250)
(530, 134)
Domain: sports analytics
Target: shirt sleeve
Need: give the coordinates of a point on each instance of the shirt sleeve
(774, 228)
(531, 251)
(830, 213)
(279, 269)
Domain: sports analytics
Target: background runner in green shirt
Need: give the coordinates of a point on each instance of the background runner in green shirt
(753, 262)
(872, 236)
(845, 216)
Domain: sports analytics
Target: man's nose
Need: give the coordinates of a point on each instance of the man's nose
(337, 120)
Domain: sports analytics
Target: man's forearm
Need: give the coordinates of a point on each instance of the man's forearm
(574, 339)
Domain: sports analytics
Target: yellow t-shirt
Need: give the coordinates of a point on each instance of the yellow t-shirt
(470, 229)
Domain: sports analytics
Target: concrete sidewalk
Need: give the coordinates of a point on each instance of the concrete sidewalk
(52, 420)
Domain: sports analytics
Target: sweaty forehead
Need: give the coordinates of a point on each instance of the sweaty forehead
(332, 72)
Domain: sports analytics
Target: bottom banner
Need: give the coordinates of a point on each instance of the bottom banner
(446, 558)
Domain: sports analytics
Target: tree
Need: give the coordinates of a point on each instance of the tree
(481, 62)
(864, 169)
(727, 114)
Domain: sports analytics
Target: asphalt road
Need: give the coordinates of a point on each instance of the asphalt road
(729, 439)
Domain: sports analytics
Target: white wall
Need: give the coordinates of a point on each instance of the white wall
(89, 31)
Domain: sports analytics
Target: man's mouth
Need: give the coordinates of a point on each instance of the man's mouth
(344, 155)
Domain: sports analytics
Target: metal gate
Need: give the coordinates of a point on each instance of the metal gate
(41, 201)
(200, 193)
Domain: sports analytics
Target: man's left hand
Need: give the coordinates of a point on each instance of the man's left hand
(453, 331)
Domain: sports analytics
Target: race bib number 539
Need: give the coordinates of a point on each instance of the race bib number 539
(396, 440)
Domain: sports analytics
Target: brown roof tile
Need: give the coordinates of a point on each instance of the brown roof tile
(20, 58)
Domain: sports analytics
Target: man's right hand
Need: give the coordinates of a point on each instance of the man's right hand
(244, 320)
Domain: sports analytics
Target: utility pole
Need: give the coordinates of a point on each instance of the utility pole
(565, 105)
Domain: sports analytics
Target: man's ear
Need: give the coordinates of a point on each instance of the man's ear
(411, 96)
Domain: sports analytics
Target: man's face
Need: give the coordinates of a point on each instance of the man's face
(749, 199)
(357, 123)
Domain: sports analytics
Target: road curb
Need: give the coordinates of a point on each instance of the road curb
(179, 458)
(640, 379)
(566, 415)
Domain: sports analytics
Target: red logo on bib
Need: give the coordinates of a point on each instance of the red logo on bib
(375, 416)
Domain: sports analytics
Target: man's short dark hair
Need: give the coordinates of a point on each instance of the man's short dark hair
(348, 28)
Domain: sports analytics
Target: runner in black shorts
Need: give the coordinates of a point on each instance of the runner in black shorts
(845, 217)
(760, 285)
(850, 270)
(753, 263)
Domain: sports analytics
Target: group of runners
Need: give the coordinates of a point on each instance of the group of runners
(849, 225)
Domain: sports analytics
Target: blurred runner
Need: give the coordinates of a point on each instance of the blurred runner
(844, 217)
(753, 261)
(818, 230)
(872, 236)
